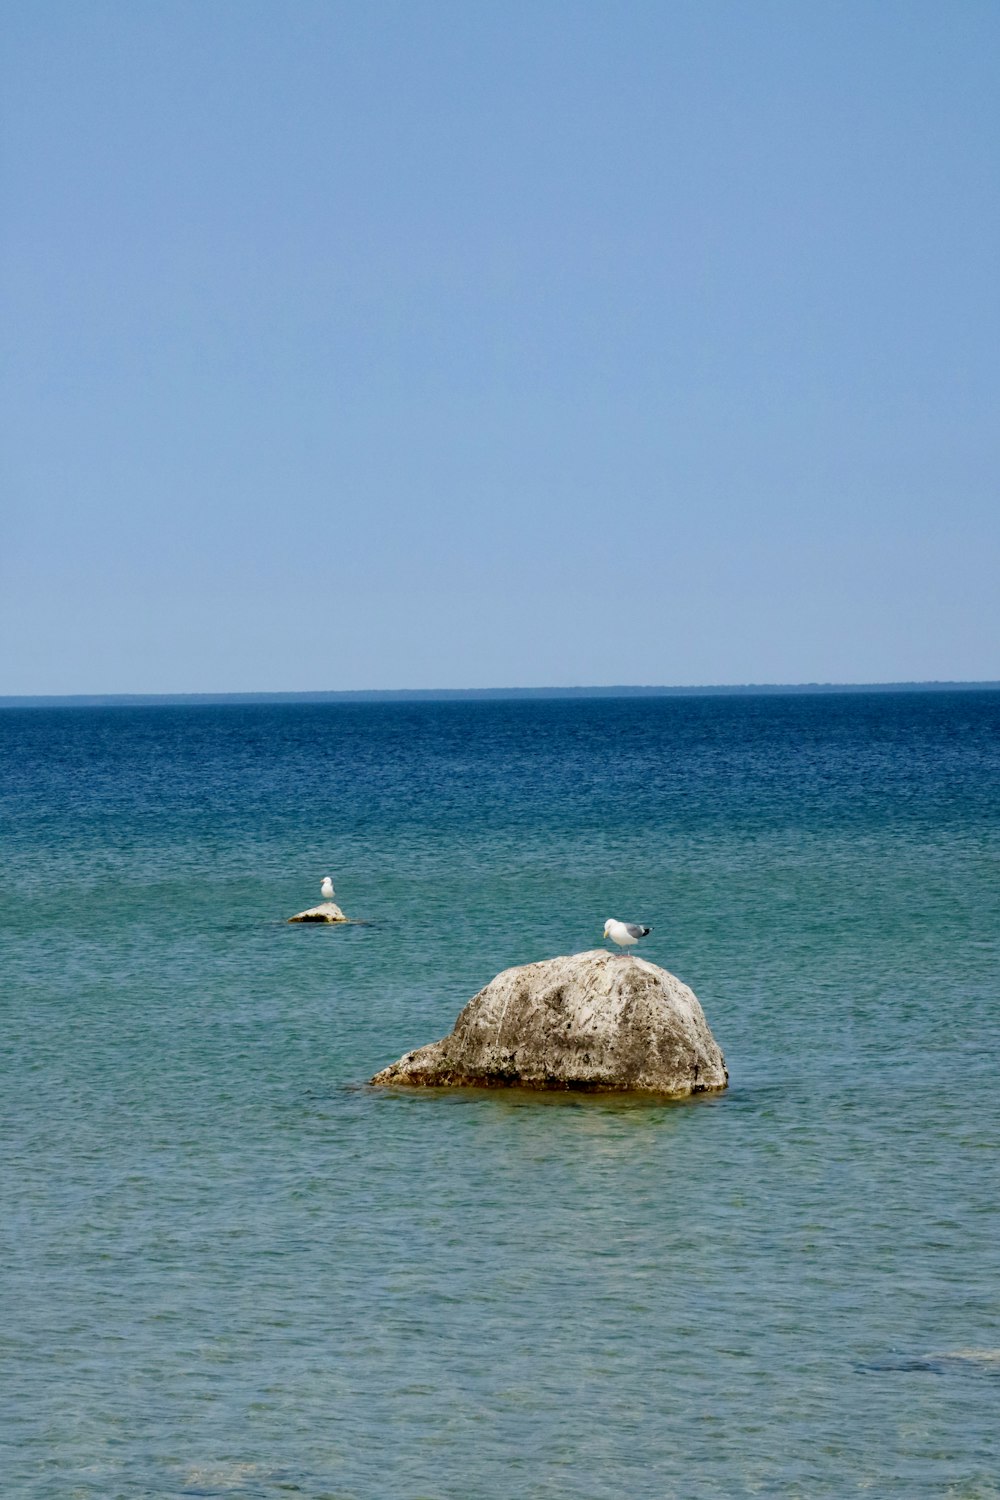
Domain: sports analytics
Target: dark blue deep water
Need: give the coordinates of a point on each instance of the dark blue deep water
(230, 1269)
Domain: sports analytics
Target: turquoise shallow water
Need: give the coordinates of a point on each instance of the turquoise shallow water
(230, 1269)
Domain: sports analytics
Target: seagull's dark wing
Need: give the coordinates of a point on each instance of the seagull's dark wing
(634, 930)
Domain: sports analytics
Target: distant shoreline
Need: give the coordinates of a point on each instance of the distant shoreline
(448, 695)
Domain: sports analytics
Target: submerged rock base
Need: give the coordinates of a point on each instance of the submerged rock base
(327, 911)
(592, 1021)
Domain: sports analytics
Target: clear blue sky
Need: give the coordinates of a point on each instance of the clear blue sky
(502, 342)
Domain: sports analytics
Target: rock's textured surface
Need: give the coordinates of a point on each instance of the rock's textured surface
(589, 1021)
(327, 911)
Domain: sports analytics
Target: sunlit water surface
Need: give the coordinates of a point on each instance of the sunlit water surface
(231, 1269)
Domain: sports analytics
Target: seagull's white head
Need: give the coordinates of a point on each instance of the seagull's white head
(607, 925)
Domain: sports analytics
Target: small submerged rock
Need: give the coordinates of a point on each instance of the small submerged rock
(940, 1362)
(592, 1021)
(327, 911)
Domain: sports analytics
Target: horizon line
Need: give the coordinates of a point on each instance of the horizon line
(402, 695)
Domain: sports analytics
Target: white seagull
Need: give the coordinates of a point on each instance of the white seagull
(326, 889)
(625, 934)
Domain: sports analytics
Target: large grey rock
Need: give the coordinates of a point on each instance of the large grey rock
(589, 1021)
(327, 911)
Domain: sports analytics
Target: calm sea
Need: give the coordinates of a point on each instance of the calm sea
(230, 1269)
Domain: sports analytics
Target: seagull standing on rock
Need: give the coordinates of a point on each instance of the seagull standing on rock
(326, 889)
(625, 934)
